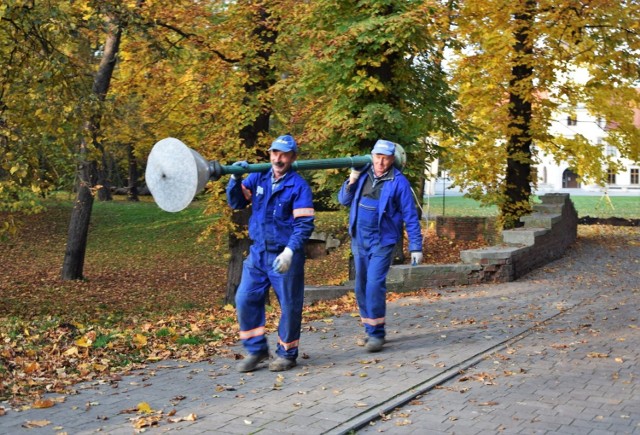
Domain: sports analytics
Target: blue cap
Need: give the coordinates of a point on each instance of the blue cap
(285, 144)
(384, 147)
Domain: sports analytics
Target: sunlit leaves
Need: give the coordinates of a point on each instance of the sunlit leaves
(366, 72)
(598, 38)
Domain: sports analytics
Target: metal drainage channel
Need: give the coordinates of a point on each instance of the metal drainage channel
(377, 411)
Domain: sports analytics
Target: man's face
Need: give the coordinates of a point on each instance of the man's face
(281, 161)
(382, 163)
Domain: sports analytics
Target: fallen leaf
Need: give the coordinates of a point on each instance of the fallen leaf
(190, 417)
(140, 340)
(33, 367)
(403, 422)
(83, 342)
(597, 355)
(43, 403)
(144, 408)
(29, 424)
(141, 422)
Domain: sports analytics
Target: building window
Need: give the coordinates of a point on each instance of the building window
(635, 176)
(611, 176)
(612, 151)
(571, 120)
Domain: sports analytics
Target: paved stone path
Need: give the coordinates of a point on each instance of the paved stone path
(555, 352)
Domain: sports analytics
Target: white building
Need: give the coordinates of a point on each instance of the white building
(553, 177)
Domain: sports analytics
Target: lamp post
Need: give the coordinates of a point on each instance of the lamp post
(175, 173)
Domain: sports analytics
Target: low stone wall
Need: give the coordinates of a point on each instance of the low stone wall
(546, 234)
(467, 228)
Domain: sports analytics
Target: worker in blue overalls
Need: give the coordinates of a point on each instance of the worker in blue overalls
(282, 220)
(381, 200)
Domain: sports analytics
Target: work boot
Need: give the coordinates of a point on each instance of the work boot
(250, 362)
(281, 364)
(374, 344)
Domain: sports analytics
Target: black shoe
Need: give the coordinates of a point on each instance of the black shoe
(250, 362)
(281, 364)
(374, 344)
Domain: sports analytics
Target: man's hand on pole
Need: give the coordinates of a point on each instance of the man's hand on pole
(242, 164)
(354, 175)
(283, 261)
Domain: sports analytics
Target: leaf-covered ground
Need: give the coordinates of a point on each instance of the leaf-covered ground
(54, 334)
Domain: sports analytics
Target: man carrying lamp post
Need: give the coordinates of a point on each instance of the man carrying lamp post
(381, 201)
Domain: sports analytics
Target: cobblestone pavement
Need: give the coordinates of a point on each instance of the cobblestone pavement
(555, 352)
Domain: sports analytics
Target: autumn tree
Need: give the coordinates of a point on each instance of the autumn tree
(371, 70)
(251, 29)
(87, 175)
(38, 121)
(513, 70)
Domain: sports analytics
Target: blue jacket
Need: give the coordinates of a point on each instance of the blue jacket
(278, 219)
(395, 206)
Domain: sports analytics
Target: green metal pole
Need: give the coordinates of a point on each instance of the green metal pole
(340, 162)
(216, 170)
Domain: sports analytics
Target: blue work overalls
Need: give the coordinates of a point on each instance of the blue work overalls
(257, 276)
(372, 262)
(375, 227)
(282, 216)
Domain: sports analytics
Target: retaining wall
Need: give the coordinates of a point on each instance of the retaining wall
(468, 228)
(546, 234)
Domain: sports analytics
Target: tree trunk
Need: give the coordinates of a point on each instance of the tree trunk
(132, 188)
(73, 265)
(238, 247)
(517, 190)
(104, 179)
(420, 195)
(398, 252)
(263, 78)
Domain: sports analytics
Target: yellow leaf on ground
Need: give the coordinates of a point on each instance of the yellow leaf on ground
(71, 351)
(83, 342)
(144, 407)
(43, 403)
(140, 340)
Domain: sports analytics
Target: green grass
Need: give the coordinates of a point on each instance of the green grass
(125, 234)
(456, 206)
(627, 207)
(138, 230)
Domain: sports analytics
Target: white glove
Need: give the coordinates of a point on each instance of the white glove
(282, 263)
(354, 175)
(242, 164)
(416, 258)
